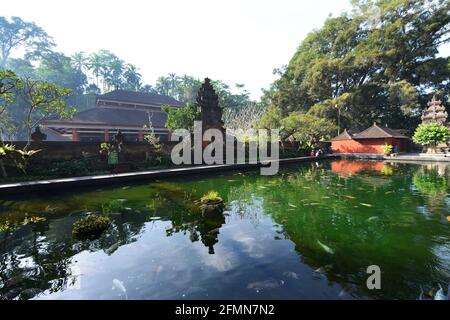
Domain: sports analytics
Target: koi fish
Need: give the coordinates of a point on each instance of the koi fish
(325, 247)
(365, 204)
(119, 284)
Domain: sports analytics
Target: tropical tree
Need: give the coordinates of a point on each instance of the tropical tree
(431, 135)
(95, 64)
(132, 77)
(79, 60)
(181, 118)
(42, 100)
(306, 129)
(16, 33)
(8, 82)
(113, 73)
(243, 118)
(377, 63)
(271, 119)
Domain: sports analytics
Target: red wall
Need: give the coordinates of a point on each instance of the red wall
(372, 146)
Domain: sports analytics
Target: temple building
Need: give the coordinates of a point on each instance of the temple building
(128, 111)
(435, 112)
(369, 141)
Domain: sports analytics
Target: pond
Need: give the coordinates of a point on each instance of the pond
(309, 232)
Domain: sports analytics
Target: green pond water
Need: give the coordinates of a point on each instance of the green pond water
(309, 232)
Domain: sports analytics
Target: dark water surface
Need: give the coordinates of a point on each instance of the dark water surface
(309, 232)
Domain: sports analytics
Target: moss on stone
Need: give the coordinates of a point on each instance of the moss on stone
(90, 227)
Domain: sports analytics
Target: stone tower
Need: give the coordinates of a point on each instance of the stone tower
(208, 101)
(435, 112)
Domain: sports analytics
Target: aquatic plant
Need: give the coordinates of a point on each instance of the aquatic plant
(91, 226)
(211, 197)
(211, 203)
(10, 227)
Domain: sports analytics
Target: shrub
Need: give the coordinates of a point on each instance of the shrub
(90, 227)
(431, 134)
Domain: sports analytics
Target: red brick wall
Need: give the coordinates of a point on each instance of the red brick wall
(370, 146)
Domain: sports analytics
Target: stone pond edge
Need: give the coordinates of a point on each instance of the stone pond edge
(108, 179)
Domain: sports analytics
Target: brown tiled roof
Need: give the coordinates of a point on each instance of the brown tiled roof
(345, 135)
(116, 117)
(53, 135)
(377, 131)
(140, 97)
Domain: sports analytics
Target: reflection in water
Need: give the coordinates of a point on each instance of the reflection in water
(309, 232)
(431, 181)
(356, 166)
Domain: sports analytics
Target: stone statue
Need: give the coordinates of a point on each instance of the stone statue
(37, 135)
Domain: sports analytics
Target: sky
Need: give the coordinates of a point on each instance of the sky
(236, 41)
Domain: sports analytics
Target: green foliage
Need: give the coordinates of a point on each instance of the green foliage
(210, 196)
(16, 33)
(43, 100)
(387, 149)
(7, 149)
(431, 134)
(10, 226)
(90, 227)
(17, 158)
(105, 148)
(306, 129)
(271, 119)
(8, 82)
(181, 118)
(61, 169)
(184, 88)
(377, 63)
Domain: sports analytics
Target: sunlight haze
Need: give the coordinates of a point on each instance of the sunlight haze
(233, 41)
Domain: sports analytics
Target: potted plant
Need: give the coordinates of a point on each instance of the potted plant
(211, 203)
(387, 149)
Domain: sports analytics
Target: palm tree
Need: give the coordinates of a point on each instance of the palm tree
(163, 85)
(174, 80)
(116, 68)
(79, 60)
(132, 76)
(95, 64)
